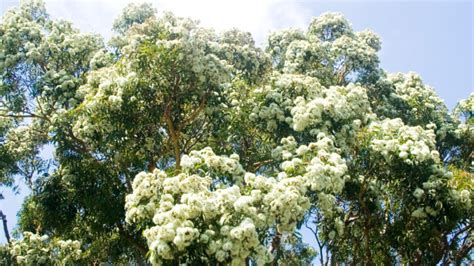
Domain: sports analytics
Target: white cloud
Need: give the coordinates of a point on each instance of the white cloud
(247, 15)
(256, 16)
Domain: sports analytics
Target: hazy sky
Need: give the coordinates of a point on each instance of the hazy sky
(432, 38)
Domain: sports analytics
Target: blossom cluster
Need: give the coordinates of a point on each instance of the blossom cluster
(142, 203)
(320, 166)
(194, 47)
(329, 48)
(278, 99)
(370, 38)
(34, 249)
(33, 44)
(245, 59)
(301, 103)
(351, 53)
(413, 145)
(21, 141)
(278, 43)
(196, 208)
(421, 104)
(133, 14)
(302, 56)
(464, 112)
(339, 103)
(465, 107)
(329, 26)
(217, 166)
(108, 95)
(223, 222)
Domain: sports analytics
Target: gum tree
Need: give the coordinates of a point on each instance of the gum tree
(177, 144)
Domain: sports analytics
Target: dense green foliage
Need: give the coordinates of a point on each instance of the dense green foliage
(176, 144)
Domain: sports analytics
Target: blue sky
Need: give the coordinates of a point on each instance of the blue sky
(432, 38)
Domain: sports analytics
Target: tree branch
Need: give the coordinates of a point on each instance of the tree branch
(3, 217)
(174, 135)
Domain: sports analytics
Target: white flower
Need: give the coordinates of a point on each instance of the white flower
(418, 193)
(419, 213)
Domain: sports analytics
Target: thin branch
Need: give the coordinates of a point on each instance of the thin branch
(3, 217)
(195, 113)
(259, 164)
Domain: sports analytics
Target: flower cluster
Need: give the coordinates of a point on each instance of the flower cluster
(330, 50)
(329, 26)
(197, 209)
(217, 166)
(188, 213)
(321, 167)
(421, 104)
(133, 14)
(22, 141)
(142, 203)
(278, 43)
(278, 99)
(392, 138)
(465, 107)
(352, 54)
(303, 56)
(246, 60)
(301, 103)
(34, 249)
(338, 103)
(465, 197)
(370, 38)
(51, 55)
(464, 112)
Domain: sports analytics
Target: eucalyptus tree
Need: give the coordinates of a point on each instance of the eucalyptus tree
(176, 144)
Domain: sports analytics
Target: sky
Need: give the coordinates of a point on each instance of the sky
(432, 38)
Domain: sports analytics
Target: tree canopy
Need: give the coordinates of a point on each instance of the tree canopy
(176, 144)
